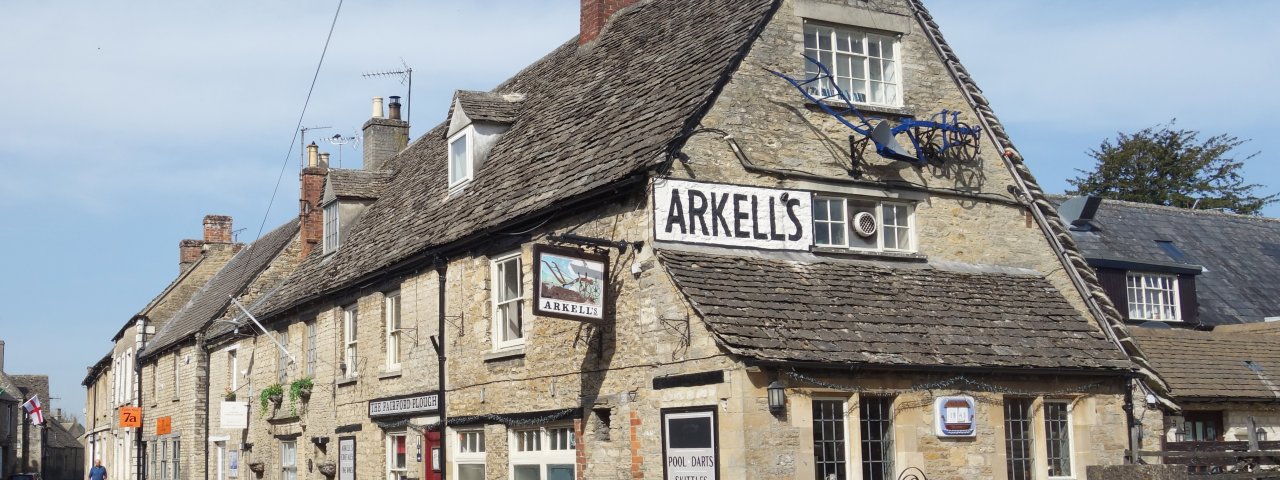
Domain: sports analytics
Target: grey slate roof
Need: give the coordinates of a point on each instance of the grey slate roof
(1211, 365)
(1241, 254)
(214, 297)
(591, 117)
(489, 106)
(852, 313)
(366, 184)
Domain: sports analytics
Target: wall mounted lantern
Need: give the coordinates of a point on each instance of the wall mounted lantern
(777, 398)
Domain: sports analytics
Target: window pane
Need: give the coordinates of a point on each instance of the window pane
(876, 423)
(810, 37)
(824, 38)
(528, 472)
(458, 159)
(468, 471)
(560, 472)
(873, 46)
(1018, 440)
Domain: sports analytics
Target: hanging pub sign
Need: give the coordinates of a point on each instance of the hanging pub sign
(954, 416)
(234, 415)
(732, 215)
(689, 444)
(569, 283)
(347, 458)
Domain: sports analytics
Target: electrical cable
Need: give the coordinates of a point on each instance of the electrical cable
(296, 128)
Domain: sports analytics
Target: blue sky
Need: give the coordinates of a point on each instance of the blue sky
(125, 125)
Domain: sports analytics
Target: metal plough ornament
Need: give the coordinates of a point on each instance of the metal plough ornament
(930, 139)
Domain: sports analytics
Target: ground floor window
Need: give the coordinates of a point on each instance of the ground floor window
(831, 437)
(1057, 432)
(468, 455)
(1018, 440)
(397, 458)
(875, 421)
(544, 453)
(1202, 426)
(830, 449)
(288, 460)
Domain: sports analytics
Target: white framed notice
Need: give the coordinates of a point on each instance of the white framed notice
(690, 444)
(347, 458)
(732, 215)
(234, 415)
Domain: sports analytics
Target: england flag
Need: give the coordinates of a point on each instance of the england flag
(33, 408)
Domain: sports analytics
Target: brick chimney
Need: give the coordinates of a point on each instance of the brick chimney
(384, 135)
(188, 252)
(310, 215)
(595, 14)
(217, 229)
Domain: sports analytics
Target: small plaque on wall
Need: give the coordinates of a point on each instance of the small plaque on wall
(955, 417)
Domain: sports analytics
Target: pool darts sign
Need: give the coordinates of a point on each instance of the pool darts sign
(569, 283)
(954, 417)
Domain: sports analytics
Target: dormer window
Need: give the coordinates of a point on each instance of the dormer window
(460, 158)
(1153, 297)
(331, 237)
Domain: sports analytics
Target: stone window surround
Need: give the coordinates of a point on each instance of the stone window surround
(545, 455)
(468, 458)
(852, 434)
(880, 204)
(1039, 445)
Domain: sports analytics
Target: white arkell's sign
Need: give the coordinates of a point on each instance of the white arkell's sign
(347, 458)
(234, 415)
(732, 215)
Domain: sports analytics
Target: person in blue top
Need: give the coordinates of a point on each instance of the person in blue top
(97, 472)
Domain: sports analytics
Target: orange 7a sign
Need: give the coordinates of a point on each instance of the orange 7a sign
(131, 417)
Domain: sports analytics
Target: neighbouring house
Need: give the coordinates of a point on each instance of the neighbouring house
(114, 383)
(10, 421)
(1198, 291)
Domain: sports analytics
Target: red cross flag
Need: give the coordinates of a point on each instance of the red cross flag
(33, 408)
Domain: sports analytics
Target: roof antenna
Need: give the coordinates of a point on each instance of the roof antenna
(339, 140)
(304, 144)
(405, 73)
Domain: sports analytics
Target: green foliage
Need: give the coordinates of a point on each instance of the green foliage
(264, 398)
(296, 388)
(1163, 165)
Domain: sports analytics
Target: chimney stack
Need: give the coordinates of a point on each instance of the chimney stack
(217, 229)
(595, 14)
(310, 215)
(384, 137)
(188, 252)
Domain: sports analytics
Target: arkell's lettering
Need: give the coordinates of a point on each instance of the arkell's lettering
(574, 308)
(732, 215)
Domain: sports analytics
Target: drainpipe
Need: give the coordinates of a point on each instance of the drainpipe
(442, 267)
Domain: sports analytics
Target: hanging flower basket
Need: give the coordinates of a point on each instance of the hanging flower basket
(257, 467)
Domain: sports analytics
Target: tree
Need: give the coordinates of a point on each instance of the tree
(1167, 166)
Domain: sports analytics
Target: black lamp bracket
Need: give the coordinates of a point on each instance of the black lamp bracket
(621, 245)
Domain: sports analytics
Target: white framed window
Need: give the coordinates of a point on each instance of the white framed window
(282, 358)
(508, 302)
(1153, 296)
(863, 224)
(461, 146)
(895, 227)
(1057, 432)
(313, 353)
(830, 224)
(175, 456)
(177, 375)
(331, 227)
(392, 313)
(233, 370)
(544, 453)
(288, 460)
(164, 460)
(864, 64)
(128, 368)
(350, 356)
(468, 455)
(397, 456)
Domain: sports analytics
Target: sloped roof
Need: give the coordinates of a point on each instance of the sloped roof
(591, 118)
(59, 437)
(10, 389)
(1211, 365)
(857, 313)
(1240, 254)
(214, 297)
(366, 184)
(489, 106)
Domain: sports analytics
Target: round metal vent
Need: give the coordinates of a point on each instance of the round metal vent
(864, 223)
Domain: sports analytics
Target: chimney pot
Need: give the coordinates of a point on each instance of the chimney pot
(393, 109)
(377, 107)
(312, 154)
(324, 160)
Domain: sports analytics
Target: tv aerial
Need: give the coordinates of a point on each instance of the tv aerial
(303, 141)
(405, 74)
(930, 139)
(338, 140)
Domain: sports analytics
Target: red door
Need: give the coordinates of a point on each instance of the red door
(431, 450)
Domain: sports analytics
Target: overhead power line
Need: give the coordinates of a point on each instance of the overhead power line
(297, 127)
